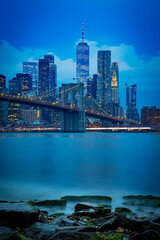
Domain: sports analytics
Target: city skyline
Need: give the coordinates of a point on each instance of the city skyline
(138, 59)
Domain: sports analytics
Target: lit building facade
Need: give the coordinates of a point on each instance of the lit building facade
(25, 81)
(115, 82)
(52, 76)
(92, 87)
(82, 62)
(3, 107)
(31, 68)
(32, 115)
(43, 86)
(132, 113)
(104, 91)
(150, 116)
(15, 88)
(2, 81)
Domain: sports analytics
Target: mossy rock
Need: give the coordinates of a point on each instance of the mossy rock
(61, 202)
(122, 210)
(87, 198)
(89, 224)
(116, 236)
(56, 214)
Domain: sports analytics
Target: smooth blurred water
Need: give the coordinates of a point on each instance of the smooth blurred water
(50, 165)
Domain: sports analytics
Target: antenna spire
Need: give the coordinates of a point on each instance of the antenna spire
(82, 31)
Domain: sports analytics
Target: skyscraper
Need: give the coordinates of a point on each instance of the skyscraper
(26, 82)
(15, 88)
(52, 76)
(2, 81)
(43, 87)
(115, 82)
(127, 100)
(3, 107)
(82, 63)
(104, 91)
(132, 113)
(92, 87)
(31, 68)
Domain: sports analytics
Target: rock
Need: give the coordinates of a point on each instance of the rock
(141, 197)
(126, 223)
(41, 231)
(122, 209)
(147, 235)
(87, 198)
(96, 214)
(77, 229)
(17, 215)
(8, 234)
(156, 219)
(81, 206)
(63, 221)
(102, 220)
(69, 235)
(48, 202)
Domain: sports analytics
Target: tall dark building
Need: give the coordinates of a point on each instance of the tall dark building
(82, 63)
(43, 86)
(31, 68)
(2, 81)
(26, 82)
(92, 87)
(15, 88)
(104, 91)
(52, 76)
(115, 82)
(127, 100)
(3, 107)
(150, 116)
(132, 112)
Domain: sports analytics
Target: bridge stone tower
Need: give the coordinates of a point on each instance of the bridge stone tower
(72, 121)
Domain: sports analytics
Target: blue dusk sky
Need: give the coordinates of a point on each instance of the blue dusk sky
(130, 29)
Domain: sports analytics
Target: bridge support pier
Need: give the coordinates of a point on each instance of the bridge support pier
(73, 121)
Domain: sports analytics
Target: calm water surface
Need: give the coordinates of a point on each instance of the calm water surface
(50, 165)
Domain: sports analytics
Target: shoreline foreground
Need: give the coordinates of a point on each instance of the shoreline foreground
(92, 219)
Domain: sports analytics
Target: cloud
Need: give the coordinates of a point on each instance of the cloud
(11, 61)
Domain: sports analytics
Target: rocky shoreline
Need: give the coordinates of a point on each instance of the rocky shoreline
(89, 221)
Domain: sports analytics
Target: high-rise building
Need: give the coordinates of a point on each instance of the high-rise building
(115, 82)
(104, 91)
(150, 116)
(2, 81)
(15, 88)
(82, 62)
(43, 86)
(92, 87)
(52, 76)
(26, 82)
(3, 107)
(31, 68)
(132, 112)
(127, 100)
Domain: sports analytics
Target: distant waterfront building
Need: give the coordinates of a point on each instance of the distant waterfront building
(43, 87)
(31, 68)
(2, 81)
(91, 87)
(52, 76)
(132, 112)
(26, 82)
(82, 63)
(3, 107)
(32, 115)
(104, 91)
(15, 88)
(150, 116)
(115, 82)
(127, 100)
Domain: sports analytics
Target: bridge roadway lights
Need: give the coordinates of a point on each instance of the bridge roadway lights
(73, 121)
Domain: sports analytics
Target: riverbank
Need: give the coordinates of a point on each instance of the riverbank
(124, 129)
(92, 219)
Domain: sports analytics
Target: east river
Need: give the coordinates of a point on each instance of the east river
(51, 165)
